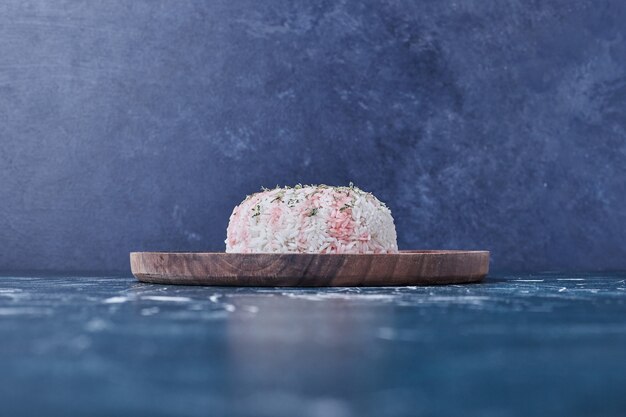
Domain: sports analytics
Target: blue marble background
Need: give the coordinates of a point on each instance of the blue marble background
(138, 125)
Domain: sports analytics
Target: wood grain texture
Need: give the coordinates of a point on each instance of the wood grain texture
(310, 270)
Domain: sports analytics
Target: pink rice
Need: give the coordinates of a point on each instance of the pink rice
(311, 219)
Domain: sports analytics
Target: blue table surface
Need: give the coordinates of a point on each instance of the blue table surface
(515, 345)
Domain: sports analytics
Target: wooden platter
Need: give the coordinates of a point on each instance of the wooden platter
(419, 267)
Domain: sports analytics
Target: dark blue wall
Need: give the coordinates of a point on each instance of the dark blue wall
(138, 125)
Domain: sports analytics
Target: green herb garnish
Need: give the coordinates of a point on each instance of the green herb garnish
(279, 197)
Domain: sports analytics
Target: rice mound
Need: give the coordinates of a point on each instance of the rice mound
(311, 219)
